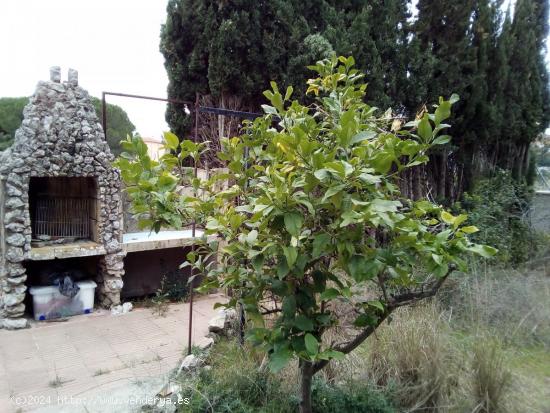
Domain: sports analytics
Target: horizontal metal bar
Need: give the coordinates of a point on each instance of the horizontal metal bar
(127, 95)
(229, 112)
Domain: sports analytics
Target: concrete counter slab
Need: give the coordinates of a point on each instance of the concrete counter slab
(131, 242)
(73, 250)
(148, 241)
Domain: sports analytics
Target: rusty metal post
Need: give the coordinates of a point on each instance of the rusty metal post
(104, 114)
(193, 232)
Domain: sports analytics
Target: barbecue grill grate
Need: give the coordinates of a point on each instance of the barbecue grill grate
(62, 217)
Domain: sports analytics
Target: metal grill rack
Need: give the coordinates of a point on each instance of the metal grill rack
(62, 217)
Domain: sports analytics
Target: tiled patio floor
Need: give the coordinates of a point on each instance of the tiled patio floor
(52, 362)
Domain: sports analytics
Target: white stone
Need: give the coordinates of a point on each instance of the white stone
(14, 203)
(217, 324)
(116, 310)
(127, 307)
(115, 284)
(190, 362)
(15, 323)
(13, 299)
(17, 240)
(15, 254)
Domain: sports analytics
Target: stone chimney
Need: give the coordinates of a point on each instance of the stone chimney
(59, 146)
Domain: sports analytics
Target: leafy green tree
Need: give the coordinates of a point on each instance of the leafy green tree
(313, 225)
(119, 125)
(11, 115)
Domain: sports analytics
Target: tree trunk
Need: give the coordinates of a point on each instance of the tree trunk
(306, 369)
(441, 179)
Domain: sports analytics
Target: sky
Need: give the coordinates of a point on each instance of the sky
(114, 45)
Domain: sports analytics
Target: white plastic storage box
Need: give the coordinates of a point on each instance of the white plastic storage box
(49, 303)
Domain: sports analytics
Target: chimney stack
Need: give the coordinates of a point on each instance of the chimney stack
(55, 74)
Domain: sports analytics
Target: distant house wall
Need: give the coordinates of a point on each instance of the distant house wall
(540, 213)
(154, 147)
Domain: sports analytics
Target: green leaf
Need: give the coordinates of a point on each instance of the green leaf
(425, 129)
(270, 110)
(356, 265)
(442, 112)
(447, 218)
(364, 320)
(320, 242)
(384, 205)
(363, 136)
(252, 236)
(459, 220)
(483, 250)
(282, 268)
(279, 287)
(321, 174)
(441, 140)
(289, 306)
(377, 304)
(441, 270)
(171, 140)
(290, 254)
(438, 259)
(293, 223)
(258, 262)
(333, 190)
(312, 345)
(369, 179)
(329, 294)
(469, 229)
(288, 93)
(336, 168)
(303, 323)
(279, 359)
(331, 354)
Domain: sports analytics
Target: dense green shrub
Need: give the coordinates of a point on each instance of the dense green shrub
(499, 206)
(351, 398)
(235, 383)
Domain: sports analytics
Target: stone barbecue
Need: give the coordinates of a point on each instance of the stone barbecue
(59, 197)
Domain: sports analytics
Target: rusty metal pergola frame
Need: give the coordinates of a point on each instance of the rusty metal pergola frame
(196, 109)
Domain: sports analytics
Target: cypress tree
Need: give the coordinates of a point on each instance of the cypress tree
(499, 71)
(478, 114)
(375, 33)
(443, 31)
(526, 109)
(231, 50)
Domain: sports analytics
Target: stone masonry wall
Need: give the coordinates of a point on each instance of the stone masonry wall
(60, 136)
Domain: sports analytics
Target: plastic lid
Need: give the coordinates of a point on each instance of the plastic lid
(50, 289)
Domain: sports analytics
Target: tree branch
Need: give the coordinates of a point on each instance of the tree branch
(401, 300)
(349, 346)
(272, 311)
(395, 302)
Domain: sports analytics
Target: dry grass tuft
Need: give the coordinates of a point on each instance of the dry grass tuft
(492, 380)
(413, 356)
